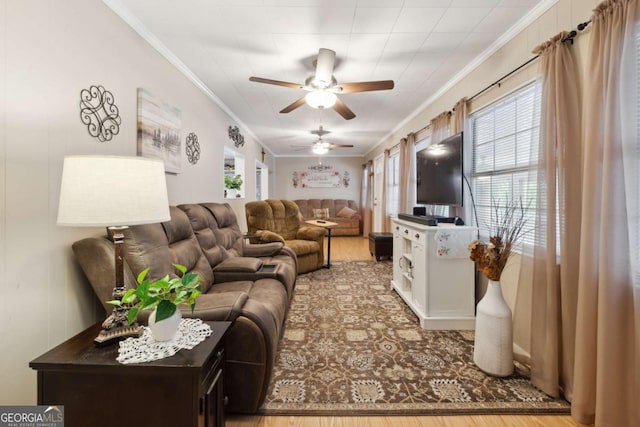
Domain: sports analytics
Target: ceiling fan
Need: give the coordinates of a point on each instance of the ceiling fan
(320, 146)
(323, 87)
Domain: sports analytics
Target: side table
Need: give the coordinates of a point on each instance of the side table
(182, 390)
(327, 226)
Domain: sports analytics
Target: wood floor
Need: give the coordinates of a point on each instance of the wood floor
(357, 248)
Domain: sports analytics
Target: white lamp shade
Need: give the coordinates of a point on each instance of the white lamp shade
(320, 99)
(112, 191)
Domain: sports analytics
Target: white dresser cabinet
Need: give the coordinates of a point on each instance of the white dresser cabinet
(433, 274)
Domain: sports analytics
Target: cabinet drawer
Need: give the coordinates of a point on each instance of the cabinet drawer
(409, 233)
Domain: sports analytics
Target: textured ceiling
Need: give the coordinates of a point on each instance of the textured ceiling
(420, 44)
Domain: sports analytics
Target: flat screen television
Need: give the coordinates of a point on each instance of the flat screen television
(439, 173)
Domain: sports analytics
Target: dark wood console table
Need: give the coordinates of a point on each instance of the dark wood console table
(95, 389)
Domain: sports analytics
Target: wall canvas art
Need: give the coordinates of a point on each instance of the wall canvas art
(159, 130)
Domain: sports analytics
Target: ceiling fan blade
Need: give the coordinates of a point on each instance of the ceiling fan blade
(276, 82)
(341, 145)
(343, 110)
(324, 68)
(289, 108)
(364, 86)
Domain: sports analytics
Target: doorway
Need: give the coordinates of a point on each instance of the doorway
(378, 202)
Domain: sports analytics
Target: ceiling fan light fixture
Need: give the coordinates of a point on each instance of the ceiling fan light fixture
(320, 99)
(320, 149)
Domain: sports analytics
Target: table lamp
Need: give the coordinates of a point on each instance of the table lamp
(115, 192)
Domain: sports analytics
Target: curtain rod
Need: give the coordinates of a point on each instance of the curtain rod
(568, 38)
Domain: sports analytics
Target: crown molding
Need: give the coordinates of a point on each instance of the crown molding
(125, 14)
(516, 29)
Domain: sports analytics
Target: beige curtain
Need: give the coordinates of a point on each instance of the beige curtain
(558, 198)
(460, 113)
(440, 127)
(458, 124)
(386, 222)
(406, 198)
(367, 197)
(607, 372)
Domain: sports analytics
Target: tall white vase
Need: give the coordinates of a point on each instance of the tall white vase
(493, 350)
(165, 329)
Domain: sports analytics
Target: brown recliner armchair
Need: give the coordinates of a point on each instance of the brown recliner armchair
(275, 220)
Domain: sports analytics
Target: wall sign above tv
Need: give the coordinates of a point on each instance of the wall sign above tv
(439, 173)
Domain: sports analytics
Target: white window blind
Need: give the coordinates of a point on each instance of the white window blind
(505, 136)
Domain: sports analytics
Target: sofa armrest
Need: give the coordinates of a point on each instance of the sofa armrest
(266, 249)
(267, 236)
(210, 307)
(96, 257)
(238, 264)
(310, 233)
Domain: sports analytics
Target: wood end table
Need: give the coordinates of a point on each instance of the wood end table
(327, 225)
(185, 389)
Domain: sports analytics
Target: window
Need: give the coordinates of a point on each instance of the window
(505, 136)
(393, 184)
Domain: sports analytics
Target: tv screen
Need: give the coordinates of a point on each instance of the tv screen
(439, 173)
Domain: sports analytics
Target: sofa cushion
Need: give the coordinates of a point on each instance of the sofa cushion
(322, 213)
(345, 212)
(268, 292)
(203, 226)
(303, 247)
(159, 246)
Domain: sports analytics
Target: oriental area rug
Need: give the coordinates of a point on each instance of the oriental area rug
(352, 347)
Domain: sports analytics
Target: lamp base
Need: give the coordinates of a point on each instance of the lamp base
(116, 327)
(108, 336)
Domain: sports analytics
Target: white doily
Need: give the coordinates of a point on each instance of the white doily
(191, 332)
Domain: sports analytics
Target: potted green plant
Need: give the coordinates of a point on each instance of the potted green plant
(232, 183)
(163, 296)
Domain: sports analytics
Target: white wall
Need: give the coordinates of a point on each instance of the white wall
(285, 166)
(49, 52)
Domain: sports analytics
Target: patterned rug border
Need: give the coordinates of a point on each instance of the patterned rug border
(448, 408)
(533, 407)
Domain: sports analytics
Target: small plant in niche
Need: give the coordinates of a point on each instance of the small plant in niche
(164, 294)
(233, 182)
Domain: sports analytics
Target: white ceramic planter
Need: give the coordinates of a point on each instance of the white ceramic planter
(165, 329)
(493, 350)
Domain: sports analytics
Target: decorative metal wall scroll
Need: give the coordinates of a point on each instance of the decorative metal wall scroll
(320, 167)
(99, 113)
(193, 148)
(236, 136)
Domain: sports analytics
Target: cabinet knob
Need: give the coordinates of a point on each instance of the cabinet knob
(226, 400)
(406, 231)
(417, 236)
(397, 228)
(219, 354)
